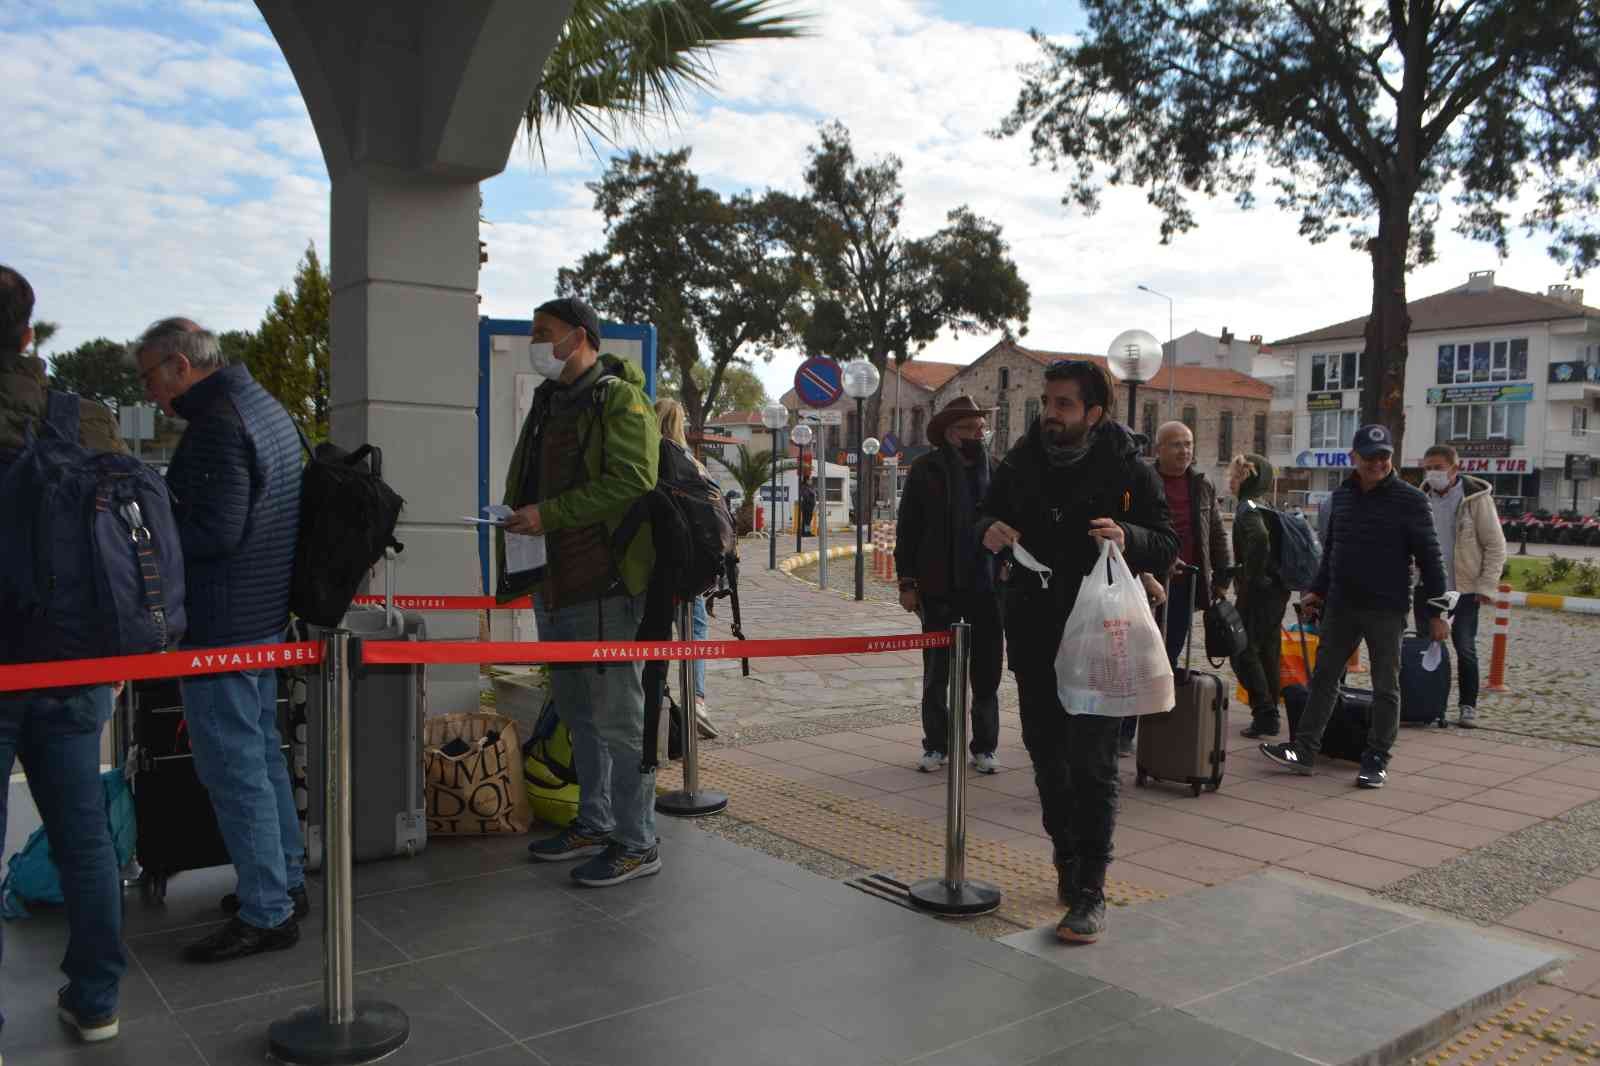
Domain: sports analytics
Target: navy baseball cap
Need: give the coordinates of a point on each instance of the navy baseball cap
(1373, 440)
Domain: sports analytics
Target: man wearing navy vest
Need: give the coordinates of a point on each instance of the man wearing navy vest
(235, 480)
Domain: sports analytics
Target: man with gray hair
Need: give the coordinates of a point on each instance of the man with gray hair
(235, 479)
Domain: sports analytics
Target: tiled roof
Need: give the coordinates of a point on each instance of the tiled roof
(929, 375)
(736, 418)
(1195, 380)
(1460, 308)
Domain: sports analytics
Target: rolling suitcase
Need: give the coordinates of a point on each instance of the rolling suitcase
(1185, 744)
(1346, 734)
(388, 703)
(1424, 694)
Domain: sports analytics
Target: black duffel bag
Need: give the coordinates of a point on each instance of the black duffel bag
(347, 519)
(1225, 635)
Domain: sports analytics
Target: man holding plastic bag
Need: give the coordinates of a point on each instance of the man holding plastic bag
(1078, 511)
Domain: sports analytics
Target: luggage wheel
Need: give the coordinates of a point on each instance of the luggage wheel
(1212, 786)
(153, 888)
(1140, 778)
(1195, 788)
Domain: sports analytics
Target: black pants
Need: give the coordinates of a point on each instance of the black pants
(1075, 769)
(982, 611)
(1258, 666)
(806, 511)
(1463, 637)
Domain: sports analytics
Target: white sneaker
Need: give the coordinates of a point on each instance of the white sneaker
(930, 762)
(702, 720)
(1468, 718)
(985, 763)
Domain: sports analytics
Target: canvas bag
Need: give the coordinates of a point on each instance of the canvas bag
(1112, 661)
(478, 792)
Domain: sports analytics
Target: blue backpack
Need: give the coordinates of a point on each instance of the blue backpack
(32, 876)
(93, 566)
(1296, 554)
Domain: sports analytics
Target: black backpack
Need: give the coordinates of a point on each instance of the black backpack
(347, 519)
(689, 524)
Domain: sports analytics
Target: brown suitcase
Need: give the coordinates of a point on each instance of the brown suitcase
(1185, 744)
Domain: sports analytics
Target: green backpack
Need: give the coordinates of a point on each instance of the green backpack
(547, 768)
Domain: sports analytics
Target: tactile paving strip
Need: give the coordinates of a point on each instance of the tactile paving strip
(864, 834)
(1526, 1035)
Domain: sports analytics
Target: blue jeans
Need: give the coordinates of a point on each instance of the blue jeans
(603, 707)
(701, 627)
(238, 756)
(57, 737)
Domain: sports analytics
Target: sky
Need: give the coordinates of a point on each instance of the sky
(160, 161)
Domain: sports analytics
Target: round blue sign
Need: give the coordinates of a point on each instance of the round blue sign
(891, 444)
(818, 382)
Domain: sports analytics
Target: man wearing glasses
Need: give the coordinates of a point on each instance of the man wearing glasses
(1074, 480)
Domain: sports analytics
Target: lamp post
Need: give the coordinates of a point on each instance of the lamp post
(801, 435)
(774, 416)
(860, 381)
(1172, 339)
(1134, 356)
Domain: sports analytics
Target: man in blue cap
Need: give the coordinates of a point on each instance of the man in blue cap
(1379, 524)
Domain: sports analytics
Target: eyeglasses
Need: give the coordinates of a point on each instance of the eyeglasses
(147, 373)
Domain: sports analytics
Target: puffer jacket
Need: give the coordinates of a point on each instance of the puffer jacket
(235, 480)
(1373, 537)
(22, 406)
(1480, 552)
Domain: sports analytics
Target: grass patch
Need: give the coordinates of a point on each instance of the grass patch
(1520, 568)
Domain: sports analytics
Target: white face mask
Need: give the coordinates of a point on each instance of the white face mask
(1438, 480)
(1025, 558)
(542, 355)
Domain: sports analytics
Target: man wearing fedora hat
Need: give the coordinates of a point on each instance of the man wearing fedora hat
(945, 576)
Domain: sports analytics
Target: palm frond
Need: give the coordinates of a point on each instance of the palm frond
(625, 62)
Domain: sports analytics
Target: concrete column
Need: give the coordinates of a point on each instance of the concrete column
(415, 102)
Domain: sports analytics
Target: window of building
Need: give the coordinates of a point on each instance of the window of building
(1580, 419)
(1002, 426)
(1332, 429)
(1190, 418)
(1150, 428)
(916, 426)
(1481, 421)
(1332, 371)
(1480, 361)
(1225, 437)
(1030, 412)
(1005, 378)
(1259, 444)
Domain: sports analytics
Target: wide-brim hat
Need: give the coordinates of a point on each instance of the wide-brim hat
(962, 407)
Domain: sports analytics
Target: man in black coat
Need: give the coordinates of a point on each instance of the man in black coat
(1073, 480)
(235, 480)
(946, 577)
(1379, 525)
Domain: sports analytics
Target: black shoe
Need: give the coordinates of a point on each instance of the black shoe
(297, 896)
(91, 1030)
(1124, 747)
(1289, 757)
(1066, 882)
(239, 938)
(1084, 923)
(1373, 771)
(1261, 727)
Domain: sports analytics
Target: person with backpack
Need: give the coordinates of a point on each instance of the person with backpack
(235, 475)
(1262, 596)
(588, 453)
(670, 419)
(56, 732)
(1378, 527)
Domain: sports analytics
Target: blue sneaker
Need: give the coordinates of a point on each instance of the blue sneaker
(617, 865)
(573, 842)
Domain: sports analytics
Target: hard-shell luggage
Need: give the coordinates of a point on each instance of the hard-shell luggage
(388, 703)
(1346, 735)
(1185, 744)
(1424, 694)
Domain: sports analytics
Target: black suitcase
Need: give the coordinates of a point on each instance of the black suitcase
(1424, 694)
(1346, 735)
(1185, 744)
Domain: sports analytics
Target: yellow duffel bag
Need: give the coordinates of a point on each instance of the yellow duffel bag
(547, 770)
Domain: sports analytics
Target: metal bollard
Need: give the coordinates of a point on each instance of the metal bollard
(1502, 631)
(953, 895)
(689, 801)
(343, 1031)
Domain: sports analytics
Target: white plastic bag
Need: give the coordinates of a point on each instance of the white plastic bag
(1112, 661)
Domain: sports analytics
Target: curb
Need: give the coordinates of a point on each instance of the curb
(1552, 602)
(795, 562)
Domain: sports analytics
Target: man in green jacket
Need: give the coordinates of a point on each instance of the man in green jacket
(587, 455)
(1262, 595)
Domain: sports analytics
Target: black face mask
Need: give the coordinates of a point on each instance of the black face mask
(971, 449)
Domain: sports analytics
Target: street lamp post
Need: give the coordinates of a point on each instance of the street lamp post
(774, 416)
(801, 435)
(1134, 357)
(860, 381)
(1172, 339)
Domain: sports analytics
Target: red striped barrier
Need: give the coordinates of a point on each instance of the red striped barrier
(193, 663)
(448, 603)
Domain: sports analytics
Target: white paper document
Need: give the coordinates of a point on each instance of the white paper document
(524, 552)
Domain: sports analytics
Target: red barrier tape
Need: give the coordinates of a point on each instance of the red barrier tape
(448, 603)
(471, 652)
(163, 664)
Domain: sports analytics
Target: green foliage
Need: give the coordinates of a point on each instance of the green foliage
(1586, 578)
(1366, 114)
(98, 370)
(1536, 578)
(42, 332)
(742, 390)
(290, 353)
(1560, 567)
(622, 63)
(750, 470)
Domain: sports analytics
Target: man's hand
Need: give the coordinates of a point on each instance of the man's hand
(525, 520)
(1484, 601)
(910, 600)
(999, 536)
(1439, 630)
(1153, 589)
(1107, 529)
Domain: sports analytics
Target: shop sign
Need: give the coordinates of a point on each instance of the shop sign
(1323, 458)
(1484, 449)
(1494, 466)
(1519, 392)
(1325, 401)
(1572, 373)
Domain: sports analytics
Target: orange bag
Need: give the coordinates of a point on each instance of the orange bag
(1292, 666)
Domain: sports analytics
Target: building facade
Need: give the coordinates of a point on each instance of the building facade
(1511, 379)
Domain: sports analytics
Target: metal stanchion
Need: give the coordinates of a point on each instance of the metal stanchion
(343, 1031)
(953, 894)
(690, 801)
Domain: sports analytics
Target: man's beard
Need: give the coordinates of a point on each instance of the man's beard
(1062, 433)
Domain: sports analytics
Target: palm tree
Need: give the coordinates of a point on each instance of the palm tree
(751, 470)
(43, 331)
(625, 62)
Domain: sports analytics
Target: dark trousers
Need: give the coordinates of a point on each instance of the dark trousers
(1341, 631)
(1075, 769)
(1258, 665)
(1180, 619)
(806, 511)
(982, 611)
(1464, 638)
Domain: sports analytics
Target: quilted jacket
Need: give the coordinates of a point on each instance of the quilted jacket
(235, 480)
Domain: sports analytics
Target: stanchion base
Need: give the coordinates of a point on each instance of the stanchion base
(965, 899)
(682, 804)
(307, 1038)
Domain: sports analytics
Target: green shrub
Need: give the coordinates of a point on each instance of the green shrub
(1586, 578)
(1536, 578)
(1505, 571)
(1561, 567)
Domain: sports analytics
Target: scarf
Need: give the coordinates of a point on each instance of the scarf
(1067, 456)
